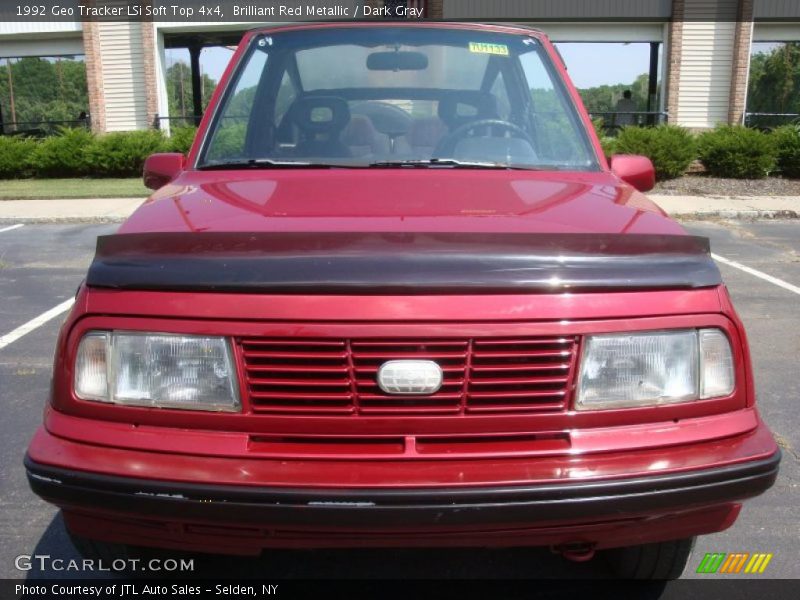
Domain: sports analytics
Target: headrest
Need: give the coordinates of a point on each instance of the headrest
(359, 132)
(459, 108)
(320, 114)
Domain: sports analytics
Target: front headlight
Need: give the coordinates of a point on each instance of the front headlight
(646, 369)
(168, 371)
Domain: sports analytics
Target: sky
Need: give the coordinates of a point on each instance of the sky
(592, 65)
(589, 65)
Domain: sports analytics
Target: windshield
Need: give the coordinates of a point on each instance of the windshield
(396, 96)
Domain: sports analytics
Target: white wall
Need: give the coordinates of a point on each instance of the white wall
(706, 70)
(51, 38)
(707, 63)
(776, 32)
(17, 47)
(161, 78)
(124, 93)
(602, 32)
(39, 28)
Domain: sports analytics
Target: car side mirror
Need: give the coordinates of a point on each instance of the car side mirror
(638, 171)
(160, 169)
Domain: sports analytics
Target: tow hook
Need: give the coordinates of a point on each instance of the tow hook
(575, 551)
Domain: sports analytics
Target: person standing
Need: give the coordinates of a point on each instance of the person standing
(626, 107)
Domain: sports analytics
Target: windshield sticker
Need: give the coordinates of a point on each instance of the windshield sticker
(483, 48)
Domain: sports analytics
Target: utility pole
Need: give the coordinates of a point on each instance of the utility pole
(60, 74)
(183, 105)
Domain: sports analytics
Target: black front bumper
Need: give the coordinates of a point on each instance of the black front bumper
(402, 507)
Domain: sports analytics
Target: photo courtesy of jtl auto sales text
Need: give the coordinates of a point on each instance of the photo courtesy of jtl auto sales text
(122, 590)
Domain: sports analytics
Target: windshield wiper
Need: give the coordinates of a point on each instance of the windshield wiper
(444, 162)
(263, 163)
(268, 163)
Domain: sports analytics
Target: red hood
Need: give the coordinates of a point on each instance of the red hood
(392, 200)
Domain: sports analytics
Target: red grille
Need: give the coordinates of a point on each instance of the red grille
(484, 375)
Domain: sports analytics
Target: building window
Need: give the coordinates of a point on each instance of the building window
(604, 71)
(213, 60)
(773, 94)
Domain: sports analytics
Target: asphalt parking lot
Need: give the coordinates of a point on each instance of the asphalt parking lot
(41, 266)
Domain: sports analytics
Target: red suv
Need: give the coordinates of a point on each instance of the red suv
(397, 296)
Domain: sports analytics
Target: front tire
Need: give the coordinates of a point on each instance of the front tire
(663, 560)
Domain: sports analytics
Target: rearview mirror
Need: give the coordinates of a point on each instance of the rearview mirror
(160, 169)
(397, 61)
(638, 171)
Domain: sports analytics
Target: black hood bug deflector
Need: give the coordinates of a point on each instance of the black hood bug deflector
(401, 263)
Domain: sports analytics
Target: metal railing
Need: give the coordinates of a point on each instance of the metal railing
(179, 121)
(613, 121)
(41, 128)
(769, 121)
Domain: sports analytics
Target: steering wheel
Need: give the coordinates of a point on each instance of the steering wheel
(447, 145)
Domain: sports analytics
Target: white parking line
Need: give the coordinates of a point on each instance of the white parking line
(12, 227)
(43, 318)
(755, 273)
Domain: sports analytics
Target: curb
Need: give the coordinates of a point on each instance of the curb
(741, 215)
(60, 220)
(80, 200)
(744, 215)
(699, 215)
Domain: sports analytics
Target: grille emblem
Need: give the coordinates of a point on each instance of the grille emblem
(410, 377)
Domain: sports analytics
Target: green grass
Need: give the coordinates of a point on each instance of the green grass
(30, 189)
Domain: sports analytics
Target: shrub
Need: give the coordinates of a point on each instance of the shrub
(123, 154)
(737, 152)
(15, 156)
(672, 149)
(180, 139)
(786, 141)
(63, 155)
(599, 126)
(608, 143)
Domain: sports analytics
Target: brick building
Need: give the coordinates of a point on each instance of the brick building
(701, 48)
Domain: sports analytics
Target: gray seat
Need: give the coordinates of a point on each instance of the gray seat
(321, 120)
(423, 136)
(459, 108)
(363, 140)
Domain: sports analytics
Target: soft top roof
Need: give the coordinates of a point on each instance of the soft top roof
(512, 29)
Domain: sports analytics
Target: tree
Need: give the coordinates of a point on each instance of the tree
(604, 98)
(179, 89)
(775, 80)
(43, 89)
